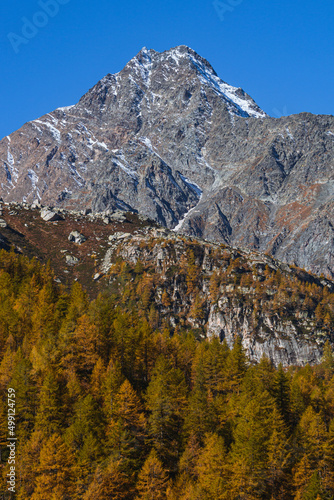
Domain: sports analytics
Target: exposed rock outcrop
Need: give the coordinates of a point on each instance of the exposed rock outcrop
(50, 216)
(236, 308)
(76, 237)
(71, 260)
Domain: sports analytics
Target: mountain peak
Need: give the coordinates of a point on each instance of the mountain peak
(182, 62)
(167, 138)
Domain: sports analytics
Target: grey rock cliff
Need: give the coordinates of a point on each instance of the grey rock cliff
(294, 339)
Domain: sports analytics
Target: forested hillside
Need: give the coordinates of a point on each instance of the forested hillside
(114, 402)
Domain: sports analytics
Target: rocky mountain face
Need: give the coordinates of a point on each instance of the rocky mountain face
(167, 138)
(181, 282)
(225, 292)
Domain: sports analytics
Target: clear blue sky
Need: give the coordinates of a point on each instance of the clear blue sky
(281, 52)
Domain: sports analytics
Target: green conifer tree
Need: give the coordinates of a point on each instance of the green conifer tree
(166, 402)
(212, 469)
(55, 479)
(49, 414)
(127, 430)
(109, 483)
(153, 480)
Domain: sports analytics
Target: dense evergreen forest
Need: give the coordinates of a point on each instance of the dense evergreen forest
(114, 403)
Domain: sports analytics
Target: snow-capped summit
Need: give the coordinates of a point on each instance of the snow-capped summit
(183, 59)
